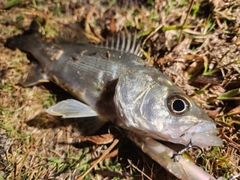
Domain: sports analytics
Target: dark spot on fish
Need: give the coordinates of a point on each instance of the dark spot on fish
(107, 55)
(83, 62)
(74, 58)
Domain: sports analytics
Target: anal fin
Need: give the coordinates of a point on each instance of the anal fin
(34, 76)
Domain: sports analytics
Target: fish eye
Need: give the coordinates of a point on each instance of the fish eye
(178, 104)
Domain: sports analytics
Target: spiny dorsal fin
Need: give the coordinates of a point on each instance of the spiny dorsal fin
(122, 41)
(125, 42)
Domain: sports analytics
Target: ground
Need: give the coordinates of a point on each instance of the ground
(196, 44)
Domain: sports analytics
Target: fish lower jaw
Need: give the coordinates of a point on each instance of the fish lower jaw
(202, 139)
(202, 134)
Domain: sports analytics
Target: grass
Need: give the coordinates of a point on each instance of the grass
(37, 146)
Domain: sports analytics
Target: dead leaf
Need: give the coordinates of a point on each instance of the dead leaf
(97, 139)
(213, 113)
(235, 110)
(113, 27)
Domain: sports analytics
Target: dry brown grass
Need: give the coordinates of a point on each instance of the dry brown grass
(204, 63)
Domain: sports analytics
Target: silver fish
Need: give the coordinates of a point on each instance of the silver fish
(114, 84)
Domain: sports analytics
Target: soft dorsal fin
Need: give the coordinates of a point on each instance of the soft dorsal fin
(125, 42)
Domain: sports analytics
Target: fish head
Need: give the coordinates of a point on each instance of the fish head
(153, 106)
(187, 122)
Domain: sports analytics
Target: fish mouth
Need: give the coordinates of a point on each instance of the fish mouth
(203, 135)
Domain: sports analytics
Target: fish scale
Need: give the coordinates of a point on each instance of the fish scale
(73, 74)
(113, 83)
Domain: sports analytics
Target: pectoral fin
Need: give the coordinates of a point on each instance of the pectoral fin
(34, 76)
(71, 108)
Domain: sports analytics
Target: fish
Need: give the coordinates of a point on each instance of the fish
(110, 81)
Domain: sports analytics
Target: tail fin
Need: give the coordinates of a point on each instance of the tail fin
(26, 41)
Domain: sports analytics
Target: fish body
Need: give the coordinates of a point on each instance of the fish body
(115, 83)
